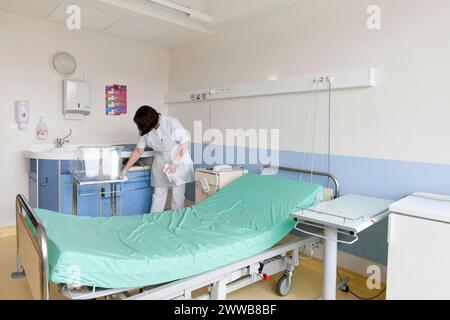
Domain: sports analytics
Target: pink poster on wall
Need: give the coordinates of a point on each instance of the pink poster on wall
(116, 100)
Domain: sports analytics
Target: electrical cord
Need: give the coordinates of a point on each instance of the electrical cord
(329, 127)
(357, 295)
(310, 118)
(210, 109)
(313, 147)
(308, 121)
(314, 102)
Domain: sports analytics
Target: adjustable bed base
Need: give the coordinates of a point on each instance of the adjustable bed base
(33, 256)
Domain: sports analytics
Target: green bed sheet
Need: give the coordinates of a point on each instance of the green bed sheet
(245, 218)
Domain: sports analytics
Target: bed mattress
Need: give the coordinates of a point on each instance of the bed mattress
(245, 218)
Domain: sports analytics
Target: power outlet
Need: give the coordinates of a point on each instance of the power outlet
(221, 91)
(199, 96)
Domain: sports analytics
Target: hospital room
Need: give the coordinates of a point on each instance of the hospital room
(225, 150)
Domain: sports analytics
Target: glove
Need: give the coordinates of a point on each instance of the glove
(170, 169)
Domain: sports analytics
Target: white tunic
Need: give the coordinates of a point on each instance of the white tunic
(165, 141)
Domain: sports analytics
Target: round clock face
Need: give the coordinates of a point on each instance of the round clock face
(63, 63)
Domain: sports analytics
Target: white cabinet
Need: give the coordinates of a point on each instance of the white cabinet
(419, 249)
(215, 180)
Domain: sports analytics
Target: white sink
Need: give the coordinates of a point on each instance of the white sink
(50, 152)
(64, 149)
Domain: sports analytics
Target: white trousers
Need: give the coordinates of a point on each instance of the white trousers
(159, 198)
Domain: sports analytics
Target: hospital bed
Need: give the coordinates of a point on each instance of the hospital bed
(227, 242)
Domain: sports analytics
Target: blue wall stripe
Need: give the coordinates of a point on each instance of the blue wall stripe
(389, 179)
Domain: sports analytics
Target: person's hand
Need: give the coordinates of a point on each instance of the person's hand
(178, 155)
(171, 169)
(123, 174)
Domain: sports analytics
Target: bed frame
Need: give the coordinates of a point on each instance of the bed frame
(32, 262)
(31, 250)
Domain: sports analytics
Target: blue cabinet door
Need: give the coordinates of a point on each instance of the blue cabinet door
(48, 184)
(137, 194)
(107, 200)
(66, 193)
(88, 198)
(133, 197)
(33, 184)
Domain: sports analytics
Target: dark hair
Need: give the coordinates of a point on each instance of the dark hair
(146, 119)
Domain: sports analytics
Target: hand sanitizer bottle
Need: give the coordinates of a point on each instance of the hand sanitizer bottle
(42, 130)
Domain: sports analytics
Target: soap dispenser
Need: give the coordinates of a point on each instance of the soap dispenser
(41, 129)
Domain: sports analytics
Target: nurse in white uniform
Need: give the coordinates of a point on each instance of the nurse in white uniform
(173, 166)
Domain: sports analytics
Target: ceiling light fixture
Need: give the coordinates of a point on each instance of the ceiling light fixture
(191, 13)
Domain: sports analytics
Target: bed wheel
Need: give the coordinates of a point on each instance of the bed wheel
(345, 289)
(18, 275)
(284, 286)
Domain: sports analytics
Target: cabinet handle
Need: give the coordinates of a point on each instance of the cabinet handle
(43, 185)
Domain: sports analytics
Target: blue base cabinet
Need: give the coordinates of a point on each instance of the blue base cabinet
(50, 187)
(137, 194)
(48, 184)
(88, 203)
(33, 184)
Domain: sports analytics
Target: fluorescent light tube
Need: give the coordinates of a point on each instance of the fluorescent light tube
(191, 13)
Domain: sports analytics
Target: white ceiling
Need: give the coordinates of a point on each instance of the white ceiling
(140, 21)
(92, 20)
(231, 12)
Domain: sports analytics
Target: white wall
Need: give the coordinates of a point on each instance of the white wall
(405, 117)
(25, 49)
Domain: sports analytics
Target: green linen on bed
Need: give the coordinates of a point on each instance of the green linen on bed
(245, 218)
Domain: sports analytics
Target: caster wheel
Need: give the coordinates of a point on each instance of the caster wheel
(284, 288)
(345, 289)
(18, 275)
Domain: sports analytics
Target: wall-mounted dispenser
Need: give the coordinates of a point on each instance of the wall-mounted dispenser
(76, 99)
(22, 114)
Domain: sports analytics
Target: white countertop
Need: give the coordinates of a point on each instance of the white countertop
(50, 152)
(425, 206)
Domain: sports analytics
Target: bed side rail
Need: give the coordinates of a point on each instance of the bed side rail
(337, 185)
(32, 250)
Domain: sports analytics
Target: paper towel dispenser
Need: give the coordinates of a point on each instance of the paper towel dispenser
(76, 99)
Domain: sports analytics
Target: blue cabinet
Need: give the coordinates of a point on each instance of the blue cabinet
(133, 197)
(89, 198)
(48, 184)
(50, 187)
(33, 184)
(137, 194)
